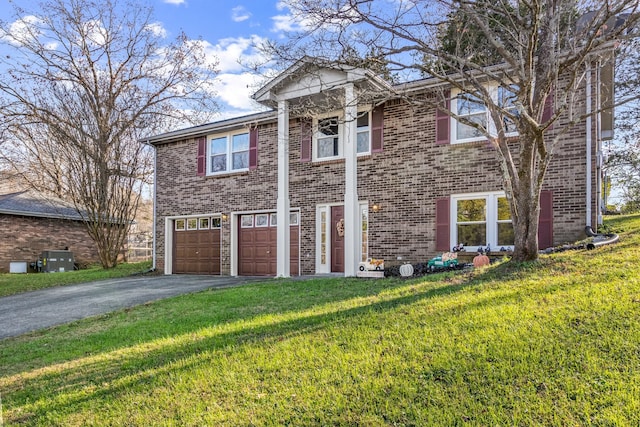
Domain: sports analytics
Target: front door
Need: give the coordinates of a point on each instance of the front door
(337, 239)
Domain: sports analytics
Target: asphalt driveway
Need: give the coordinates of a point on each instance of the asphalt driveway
(44, 308)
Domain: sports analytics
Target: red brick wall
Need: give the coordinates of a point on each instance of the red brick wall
(405, 179)
(181, 192)
(24, 239)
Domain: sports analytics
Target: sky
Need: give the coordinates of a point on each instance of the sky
(230, 29)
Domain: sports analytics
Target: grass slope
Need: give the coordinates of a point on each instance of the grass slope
(550, 343)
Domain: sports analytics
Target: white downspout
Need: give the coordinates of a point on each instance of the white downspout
(599, 162)
(588, 142)
(155, 197)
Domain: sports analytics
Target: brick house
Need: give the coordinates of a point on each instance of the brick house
(30, 224)
(282, 193)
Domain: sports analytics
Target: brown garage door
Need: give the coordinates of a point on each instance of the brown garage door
(196, 251)
(258, 245)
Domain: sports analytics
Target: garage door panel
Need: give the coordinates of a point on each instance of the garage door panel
(258, 251)
(196, 252)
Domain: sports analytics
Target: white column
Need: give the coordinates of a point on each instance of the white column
(283, 204)
(351, 214)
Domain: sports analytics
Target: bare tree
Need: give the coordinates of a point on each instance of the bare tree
(546, 51)
(83, 81)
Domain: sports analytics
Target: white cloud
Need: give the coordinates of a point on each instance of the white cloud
(233, 54)
(234, 83)
(235, 90)
(288, 21)
(284, 23)
(23, 30)
(240, 13)
(96, 32)
(176, 2)
(157, 29)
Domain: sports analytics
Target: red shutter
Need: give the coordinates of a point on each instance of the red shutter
(377, 129)
(202, 156)
(545, 222)
(253, 148)
(548, 111)
(306, 136)
(442, 225)
(443, 121)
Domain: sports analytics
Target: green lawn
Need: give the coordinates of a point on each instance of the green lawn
(553, 343)
(15, 283)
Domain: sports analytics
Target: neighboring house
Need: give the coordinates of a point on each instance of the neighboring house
(31, 224)
(288, 191)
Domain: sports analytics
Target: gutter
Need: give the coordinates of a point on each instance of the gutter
(588, 125)
(155, 198)
(219, 126)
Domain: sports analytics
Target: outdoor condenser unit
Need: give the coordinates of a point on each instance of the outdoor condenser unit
(57, 261)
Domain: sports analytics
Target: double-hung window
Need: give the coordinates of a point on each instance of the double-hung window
(364, 133)
(470, 109)
(329, 136)
(482, 219)
(228, 153)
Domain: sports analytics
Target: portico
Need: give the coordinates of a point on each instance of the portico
(309, 90)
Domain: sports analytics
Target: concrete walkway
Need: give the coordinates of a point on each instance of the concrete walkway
(44, 308)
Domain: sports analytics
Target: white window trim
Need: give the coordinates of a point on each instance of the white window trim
(491, 219)
(341, 135)
(493, 91)
(229, 153)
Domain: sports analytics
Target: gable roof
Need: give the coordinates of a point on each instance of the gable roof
(312, 71)
(27, 203)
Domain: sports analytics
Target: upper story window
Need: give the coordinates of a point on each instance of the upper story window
(228, 153)
(364, 134)
(329, 136)
(471, 109)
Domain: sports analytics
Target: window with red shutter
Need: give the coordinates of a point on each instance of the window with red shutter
(306, 136)
(202, 156)
(377, 129)
(443, 123)
(253, 148)
(442, 225)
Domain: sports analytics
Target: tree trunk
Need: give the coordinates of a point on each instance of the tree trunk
(525, 227)
(525, 202)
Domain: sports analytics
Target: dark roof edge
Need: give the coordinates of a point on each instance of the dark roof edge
(40, 215)
(219, 126)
